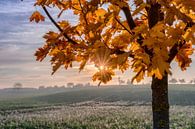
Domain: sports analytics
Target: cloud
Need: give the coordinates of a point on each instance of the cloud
(16, 6)
(18, 42)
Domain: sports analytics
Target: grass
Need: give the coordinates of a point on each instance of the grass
(94, 108)
(96, 116)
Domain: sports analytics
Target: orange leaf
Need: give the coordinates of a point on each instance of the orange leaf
(37, 17)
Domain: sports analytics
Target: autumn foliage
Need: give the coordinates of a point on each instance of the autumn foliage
(116, 34)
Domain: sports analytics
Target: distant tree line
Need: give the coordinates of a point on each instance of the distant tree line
(181, 81)
(19, 85)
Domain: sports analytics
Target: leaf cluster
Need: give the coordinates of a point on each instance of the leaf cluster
(145, 36)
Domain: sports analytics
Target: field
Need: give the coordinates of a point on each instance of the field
(127, 107)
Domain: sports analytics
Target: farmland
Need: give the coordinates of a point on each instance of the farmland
(92, 107)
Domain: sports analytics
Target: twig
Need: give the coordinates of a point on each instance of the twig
(83, 12)
(58, 27)
(123, 26)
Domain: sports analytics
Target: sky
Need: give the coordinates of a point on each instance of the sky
(19, 40)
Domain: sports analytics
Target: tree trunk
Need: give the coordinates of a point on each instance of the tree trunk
(160, 103)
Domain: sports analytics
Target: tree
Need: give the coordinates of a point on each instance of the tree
(173, 80)
(147, 38)
(128, 82)
(120, 81)
(182, 80)
(70, 85)
(41, 87)
(192, 81)
(17, 86)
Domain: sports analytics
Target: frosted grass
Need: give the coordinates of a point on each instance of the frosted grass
(96, 116)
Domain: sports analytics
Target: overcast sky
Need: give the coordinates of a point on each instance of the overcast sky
(19, 40)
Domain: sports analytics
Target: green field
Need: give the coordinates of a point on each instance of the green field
(92, 107)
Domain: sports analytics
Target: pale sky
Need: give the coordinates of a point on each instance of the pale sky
(19, 40)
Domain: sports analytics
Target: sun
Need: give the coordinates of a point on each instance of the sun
(101, 67)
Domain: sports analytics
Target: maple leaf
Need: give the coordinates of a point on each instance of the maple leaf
(103, 36)
(183, 58)
(189, 36)
(139, 76)
(51, 37)
(37, 17)
(100, 13)
(103, 75)
(41, 53)
(160, 67)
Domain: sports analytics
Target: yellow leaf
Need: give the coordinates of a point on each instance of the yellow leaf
(189, 36)
(100, 13)
(159, 66)
(103, 76)
(91, 35)
(183, 58)
(139, 76)
(82, 65)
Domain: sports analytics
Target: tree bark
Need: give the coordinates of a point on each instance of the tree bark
(160, 103)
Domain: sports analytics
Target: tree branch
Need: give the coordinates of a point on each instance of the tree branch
(129, 17)
(154, 14)
(132, 25)
(84, 14)
(69, 39)
(123, 26)
(58, 27)
(175, 49)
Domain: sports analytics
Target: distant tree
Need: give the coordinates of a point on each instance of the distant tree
(41, 87)
(87, 84)
(129, 82)
(192, 81)
(120, 81)
(182, 80)
(143, 35)
(56, 87)
(62, 86)
(49, 87)
(78, 85)
(70, 85)
(17, 86)
(173, 80)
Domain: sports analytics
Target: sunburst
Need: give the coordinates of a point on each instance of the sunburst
(102, 58)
